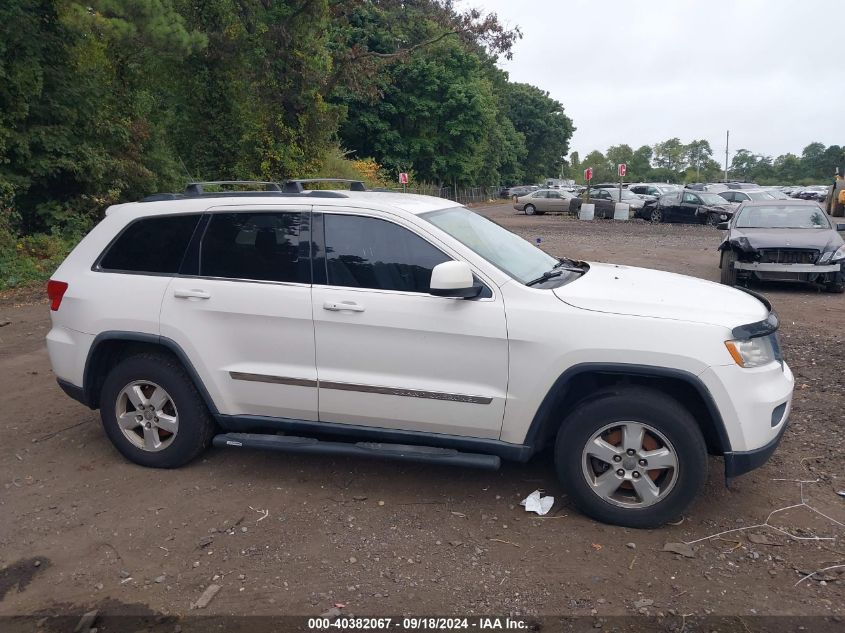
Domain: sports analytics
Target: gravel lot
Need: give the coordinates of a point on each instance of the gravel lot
(81, 528)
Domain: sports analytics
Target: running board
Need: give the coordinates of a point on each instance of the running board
(405, 452)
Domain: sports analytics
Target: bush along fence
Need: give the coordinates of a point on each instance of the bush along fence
(461, 195)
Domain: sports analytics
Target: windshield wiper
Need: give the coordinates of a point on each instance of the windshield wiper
(563, 265)
(557, 272)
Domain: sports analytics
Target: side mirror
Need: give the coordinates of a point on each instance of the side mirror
(840, 227)
(723, 226)
(453, 279)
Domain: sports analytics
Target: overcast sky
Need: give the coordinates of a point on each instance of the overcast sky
(643, 71)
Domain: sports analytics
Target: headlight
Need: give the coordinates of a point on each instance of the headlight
(754, 352)
(836, 256)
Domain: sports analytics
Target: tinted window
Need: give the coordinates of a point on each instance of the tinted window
(371, 253)
(151, 245)
(261, 246)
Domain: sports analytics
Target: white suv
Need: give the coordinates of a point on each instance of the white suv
(409, 327)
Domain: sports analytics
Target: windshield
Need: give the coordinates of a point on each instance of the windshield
(711, 198)
(782, 217)
(520, 259)
(759, 195)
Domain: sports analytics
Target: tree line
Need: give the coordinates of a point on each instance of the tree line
(678, 162)
(103, 101)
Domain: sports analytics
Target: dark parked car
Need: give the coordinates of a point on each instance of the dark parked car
(692, 207)
(783, 240)
(814, 192)
(606, 199)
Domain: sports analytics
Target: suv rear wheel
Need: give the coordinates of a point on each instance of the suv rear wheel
(633, 457)
(152, 412)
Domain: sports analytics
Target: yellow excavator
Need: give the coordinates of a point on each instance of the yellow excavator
(835, 204)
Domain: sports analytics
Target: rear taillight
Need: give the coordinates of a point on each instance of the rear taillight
(55, 292)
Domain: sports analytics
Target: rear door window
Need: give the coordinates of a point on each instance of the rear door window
(154, 245)
(255, 246)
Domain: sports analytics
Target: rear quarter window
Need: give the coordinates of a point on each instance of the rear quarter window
(153, 245)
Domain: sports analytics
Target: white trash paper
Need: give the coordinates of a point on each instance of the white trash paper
(537, 503)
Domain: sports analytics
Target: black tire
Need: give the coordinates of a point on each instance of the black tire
(656, 216)
(712, 219)
(728, 272)
(837, 288)
(530, 209)
(195, 425)
(640, 405)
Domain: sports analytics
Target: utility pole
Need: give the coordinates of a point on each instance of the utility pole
(727, 144)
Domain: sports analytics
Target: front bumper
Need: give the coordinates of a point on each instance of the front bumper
(788, 268)
(742, 462)
(755, 405)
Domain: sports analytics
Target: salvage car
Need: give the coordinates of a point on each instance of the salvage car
(783, 241)
(605, 200)
(692, 207)
(744, 195)
(407, 327)
(655, 189)
(543, 200)
(814, 192)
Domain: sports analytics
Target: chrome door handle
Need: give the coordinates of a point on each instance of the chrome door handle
(337, 306)
(184, 293)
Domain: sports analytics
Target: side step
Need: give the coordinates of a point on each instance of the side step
(406, 452)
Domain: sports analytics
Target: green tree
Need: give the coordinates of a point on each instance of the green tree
(696, 153)
(640, 166)
(670, 155)
(617, 154)
(812, 161)
(575, 167)
(788, 168)
(603, 171)
(434, 117)
(745, 165)
(545, 126)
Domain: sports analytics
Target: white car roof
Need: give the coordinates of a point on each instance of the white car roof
(382, 201)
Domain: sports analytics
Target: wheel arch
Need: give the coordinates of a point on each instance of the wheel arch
(109, 348)
(581, 382)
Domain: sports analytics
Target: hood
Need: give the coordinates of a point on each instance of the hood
(819, 239)
(653, 293)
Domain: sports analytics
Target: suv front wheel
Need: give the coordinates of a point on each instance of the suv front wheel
(152, 412)
(633, 457)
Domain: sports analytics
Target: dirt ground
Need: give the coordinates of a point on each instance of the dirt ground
(80, 527)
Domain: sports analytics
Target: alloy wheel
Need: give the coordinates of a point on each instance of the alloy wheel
(147, 415)
(630, 464)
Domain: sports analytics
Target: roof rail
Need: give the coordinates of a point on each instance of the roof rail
(295, 185)
(196, 188)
